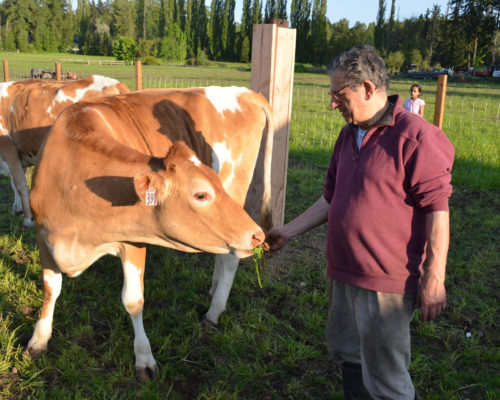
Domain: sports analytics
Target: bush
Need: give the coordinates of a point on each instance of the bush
(202, 58)
(150, 61)
(124, 48)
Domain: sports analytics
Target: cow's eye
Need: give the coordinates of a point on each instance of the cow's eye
(202, 196)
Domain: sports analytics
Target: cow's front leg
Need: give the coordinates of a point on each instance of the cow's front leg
(133, 260)
(52, 283)
(222, 281)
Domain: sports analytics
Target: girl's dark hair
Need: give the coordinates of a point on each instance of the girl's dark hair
(358, 64)
(416, 85)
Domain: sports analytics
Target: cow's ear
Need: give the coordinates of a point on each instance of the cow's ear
(150, 187)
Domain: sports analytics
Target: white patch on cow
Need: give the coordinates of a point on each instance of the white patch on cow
(3, 131)
(4, 88)
(225, 98)
(220, 155)
(132, 289)
(55, 283)
(74, 258)
(195, 160)
(100, 82)
(12, 109)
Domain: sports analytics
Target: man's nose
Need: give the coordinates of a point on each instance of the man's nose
(334, 103)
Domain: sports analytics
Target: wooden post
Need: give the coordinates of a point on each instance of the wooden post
(440, 97)
(58, 71)
(138, 75)
(273, 57)
(5, 71)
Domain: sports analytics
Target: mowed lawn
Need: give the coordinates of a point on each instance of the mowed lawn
(270, 341)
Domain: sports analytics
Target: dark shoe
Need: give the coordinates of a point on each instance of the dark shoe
(352, 381)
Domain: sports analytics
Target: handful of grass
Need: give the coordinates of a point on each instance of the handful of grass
(259, 255)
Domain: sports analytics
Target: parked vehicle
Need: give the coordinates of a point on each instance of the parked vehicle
(429, 74)
(482, 72)
(495, 71)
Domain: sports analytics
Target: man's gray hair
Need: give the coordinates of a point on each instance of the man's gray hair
(358, 64)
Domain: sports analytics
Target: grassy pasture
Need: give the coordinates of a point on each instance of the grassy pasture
(270, 342)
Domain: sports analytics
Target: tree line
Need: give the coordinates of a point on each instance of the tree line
(463, 35)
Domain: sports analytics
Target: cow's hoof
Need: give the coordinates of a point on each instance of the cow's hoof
(144, 375)
(33, 353)
(27, 224)
(207, 323)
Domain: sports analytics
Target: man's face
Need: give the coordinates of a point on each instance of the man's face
(347, 100)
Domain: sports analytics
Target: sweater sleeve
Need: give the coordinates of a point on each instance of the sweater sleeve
(428, 170)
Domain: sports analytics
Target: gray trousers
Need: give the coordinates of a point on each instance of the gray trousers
(373, 329)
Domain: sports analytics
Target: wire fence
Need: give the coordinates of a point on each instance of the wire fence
(471, 122)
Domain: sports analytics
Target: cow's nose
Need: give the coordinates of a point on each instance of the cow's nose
(258, 238)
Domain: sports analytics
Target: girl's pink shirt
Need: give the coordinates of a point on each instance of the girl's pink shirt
(413, 105)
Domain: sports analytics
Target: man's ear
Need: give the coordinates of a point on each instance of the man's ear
(150, 188)
(369, 89)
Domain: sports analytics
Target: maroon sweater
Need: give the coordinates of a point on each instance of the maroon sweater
(379, 196)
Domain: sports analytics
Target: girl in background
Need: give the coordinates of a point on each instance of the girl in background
(415, 104)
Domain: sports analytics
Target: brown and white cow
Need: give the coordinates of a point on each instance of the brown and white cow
(117, 191)
(27, 111)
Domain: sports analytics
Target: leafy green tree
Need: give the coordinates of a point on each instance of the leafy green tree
(19, 19)
(173, 47)
(245, 50)
(415, 57)
(124, 48)
(395, 61)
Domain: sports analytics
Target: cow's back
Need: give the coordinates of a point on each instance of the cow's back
(30, 107)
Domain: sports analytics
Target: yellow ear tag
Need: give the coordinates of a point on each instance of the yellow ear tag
(151, 199)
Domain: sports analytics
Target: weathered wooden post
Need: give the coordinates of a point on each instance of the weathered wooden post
(5, 71)
(273, 57)
(440, 98)
(138, 75)
(58, 71)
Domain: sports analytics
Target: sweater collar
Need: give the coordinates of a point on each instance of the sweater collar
(388, 118)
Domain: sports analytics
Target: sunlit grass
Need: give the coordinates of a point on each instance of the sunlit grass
(270, 341)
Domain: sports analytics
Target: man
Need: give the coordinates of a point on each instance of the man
(385, 199)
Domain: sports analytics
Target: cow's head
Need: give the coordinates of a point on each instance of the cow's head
(194, 211)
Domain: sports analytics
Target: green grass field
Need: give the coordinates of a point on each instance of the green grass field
(270, 341)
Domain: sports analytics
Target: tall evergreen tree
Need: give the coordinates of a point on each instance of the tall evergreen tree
(300, 18)
(123, 18)
(231, 28)
(380, 27)
(390, 28)
(271, 10)
(281, 9)
(318, 31)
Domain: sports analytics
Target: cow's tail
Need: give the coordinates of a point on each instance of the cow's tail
(266, 218)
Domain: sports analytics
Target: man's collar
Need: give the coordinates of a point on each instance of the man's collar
(387, 116)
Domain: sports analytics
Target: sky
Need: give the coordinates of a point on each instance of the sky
(359, 10)
(366, 10)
